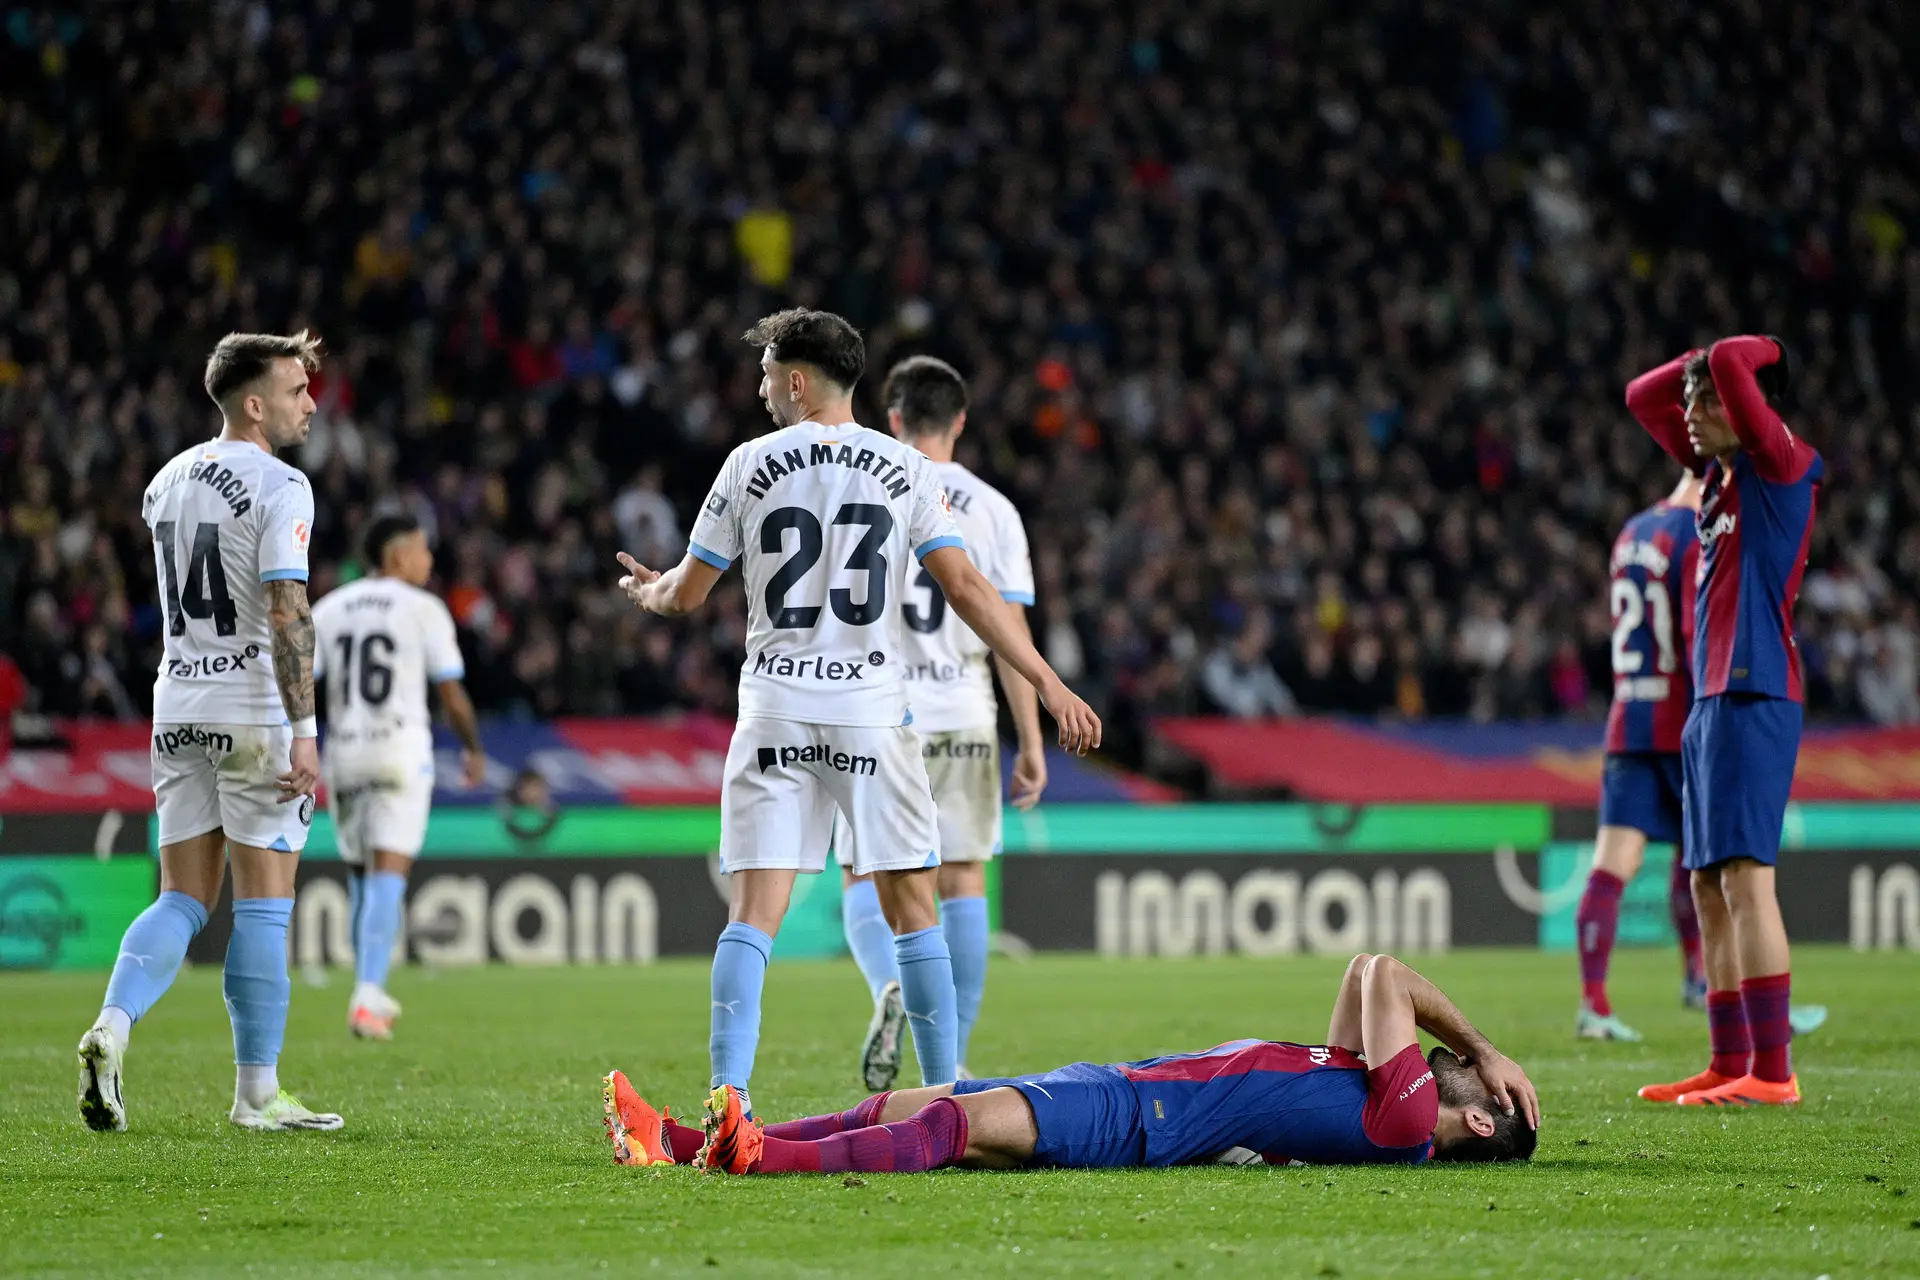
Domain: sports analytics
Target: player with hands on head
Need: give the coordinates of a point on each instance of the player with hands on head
(1365, 1096)
(825, 517)
(1717, 413)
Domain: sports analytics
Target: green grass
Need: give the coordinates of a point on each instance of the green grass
(473, 1142)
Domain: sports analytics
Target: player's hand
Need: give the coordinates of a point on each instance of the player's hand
(304, 771)
(1508, 1084)
(1029, 778)
(1079, 727)
(636, 580)
(473, 768)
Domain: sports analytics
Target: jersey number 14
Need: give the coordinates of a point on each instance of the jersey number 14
(205, 595)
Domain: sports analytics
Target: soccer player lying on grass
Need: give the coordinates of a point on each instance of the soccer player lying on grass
(1366, 1096)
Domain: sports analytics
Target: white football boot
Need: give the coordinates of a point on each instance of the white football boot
(283, 1113)
(100, 1104)
(885, 1043)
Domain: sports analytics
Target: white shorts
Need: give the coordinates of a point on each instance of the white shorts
(225, 777)
(963, 768)
(379, 808)
(785, 782)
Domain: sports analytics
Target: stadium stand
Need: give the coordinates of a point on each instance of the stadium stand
(1305, 373)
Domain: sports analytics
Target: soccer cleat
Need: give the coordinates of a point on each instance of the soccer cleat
(634, 1126)
(1693, 994)
(1747, 1091)
(880, 1052)
(100, 1104)
(372, 1014)
(1603, 1026)
(283, 1114)
(1708, 1079)
(733, 1140)
(1805, 1019)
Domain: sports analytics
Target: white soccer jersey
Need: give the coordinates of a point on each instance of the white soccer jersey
(825, 520)
(226, 518)
(948, 684)
(380, 642)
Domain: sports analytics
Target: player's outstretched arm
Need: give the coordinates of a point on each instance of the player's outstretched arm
(1395, 1000)
(1023, 704)
(972, 597)
(1733, 362)
(473, 757)
(290, 621)
(679, 590)
(1654, 399)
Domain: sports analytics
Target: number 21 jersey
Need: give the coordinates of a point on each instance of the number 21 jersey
(1656, 561)
(824, 520)
(227, 517)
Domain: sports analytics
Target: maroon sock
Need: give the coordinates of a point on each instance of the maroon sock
(1686, 921)
(682, 1142)
(1596, 923)
(1765, 1000)
(1727, 1033)
(814, 1128)
(931, 1138)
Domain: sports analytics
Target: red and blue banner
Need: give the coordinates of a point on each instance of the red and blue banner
(671, 760)
(1355, 762)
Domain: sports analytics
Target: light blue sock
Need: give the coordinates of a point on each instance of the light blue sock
(869, 936)
(151, 951)
(377, 922)
(257, 986)
(926, 986)
(356, 898)
(964, 921)
(739, 975)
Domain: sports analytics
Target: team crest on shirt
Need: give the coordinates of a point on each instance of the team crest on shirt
(306, 811)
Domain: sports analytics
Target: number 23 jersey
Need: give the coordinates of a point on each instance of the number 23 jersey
(227, 517)
(826, 521)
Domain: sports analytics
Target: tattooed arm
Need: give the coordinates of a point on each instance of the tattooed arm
(291, 623)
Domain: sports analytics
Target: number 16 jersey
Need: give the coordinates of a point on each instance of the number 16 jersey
(824, 520)
(227, 517)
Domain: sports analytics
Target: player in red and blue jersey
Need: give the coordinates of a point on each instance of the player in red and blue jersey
(1760, 482)
(1651, 596)
(1366, 1096)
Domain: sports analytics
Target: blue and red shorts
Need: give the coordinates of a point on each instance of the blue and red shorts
(1640, 790)
(1737, 755)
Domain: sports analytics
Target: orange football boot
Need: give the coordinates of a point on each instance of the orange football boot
(634, 1126)
(733, 1142)
(1708, 1079)
(1747, 1091)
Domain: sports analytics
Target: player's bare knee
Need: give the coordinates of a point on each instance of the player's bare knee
(962, 880)
(907, 899)
(1619, 851)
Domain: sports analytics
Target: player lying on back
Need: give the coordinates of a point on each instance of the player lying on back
(235, 756)
(1715, 412)
(951, 692)
(1367, 1096)
(382, 640)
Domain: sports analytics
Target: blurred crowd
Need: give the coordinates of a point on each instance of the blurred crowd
(1297, 335)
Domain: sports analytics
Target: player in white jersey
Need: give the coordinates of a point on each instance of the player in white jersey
(824, 515)
(951, 693)
(382, 640)
(234, 753)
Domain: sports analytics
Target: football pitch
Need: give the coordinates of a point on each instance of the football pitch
(473, 1142)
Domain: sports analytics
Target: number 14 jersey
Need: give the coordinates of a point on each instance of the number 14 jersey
(824, 520)
(227, 517)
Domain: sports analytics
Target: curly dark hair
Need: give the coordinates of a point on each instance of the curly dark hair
(818, 338)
